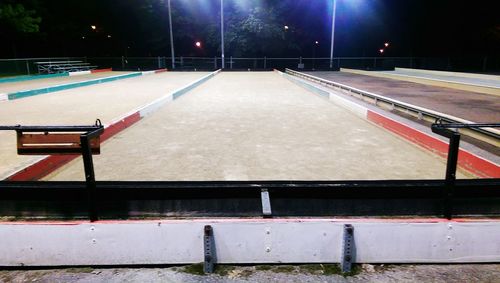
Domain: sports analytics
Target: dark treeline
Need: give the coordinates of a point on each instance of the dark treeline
(30, 28)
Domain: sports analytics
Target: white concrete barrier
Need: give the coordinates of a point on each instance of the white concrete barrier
(79, 73)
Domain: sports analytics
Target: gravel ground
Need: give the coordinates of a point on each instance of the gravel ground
(265, 273)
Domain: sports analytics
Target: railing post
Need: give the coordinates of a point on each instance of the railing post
(89, 175)
(265, 62)
(123, 63)
(28, 67)
(451, 171)
(231, 62)
(215, 63)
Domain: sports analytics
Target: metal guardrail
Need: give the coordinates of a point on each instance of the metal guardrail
(113, 199)
(25, 66)
(488, 135)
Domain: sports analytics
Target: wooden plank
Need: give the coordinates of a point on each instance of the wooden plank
(52, 143)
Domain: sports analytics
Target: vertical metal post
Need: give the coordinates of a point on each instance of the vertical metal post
(159, 62)
(28, 67)
(266, 203)
(333, 32)
(172, 53)
(222, 31)
(347, 249)
(265, 62)
(209, 250)
(451, 171)
(123, 63)
(230, 62)
(89, 175)
(215, 63)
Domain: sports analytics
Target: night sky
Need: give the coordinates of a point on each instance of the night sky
(413, 27)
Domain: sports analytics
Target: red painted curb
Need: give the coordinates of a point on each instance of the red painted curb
(51, 163)
(41, 168)
(161, 71)
(119, 126)
(468, 161)
(101, 70)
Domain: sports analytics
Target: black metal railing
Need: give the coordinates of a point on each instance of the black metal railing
(121, 199)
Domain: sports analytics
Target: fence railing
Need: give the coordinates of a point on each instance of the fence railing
(27, 66)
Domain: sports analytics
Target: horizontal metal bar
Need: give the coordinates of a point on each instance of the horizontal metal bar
(49, 128)
(469, 126)
(249, 189)
(95, 132)
(124, 200)
(119, 199)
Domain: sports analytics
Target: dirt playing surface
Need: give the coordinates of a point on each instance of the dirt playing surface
(256, 126)
(81, 106)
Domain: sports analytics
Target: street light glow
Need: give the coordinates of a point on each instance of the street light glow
(286, 27)
(381, 51)
(198, 44)
(386, 44)
(93, 27)
(317, 42)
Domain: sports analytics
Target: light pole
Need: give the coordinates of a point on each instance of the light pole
(222, 31)
(171, 35)
(333, 32)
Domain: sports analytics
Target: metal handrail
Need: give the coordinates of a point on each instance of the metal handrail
(490, 133)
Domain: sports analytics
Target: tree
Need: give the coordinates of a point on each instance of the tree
(14, 17)
(16, 20)
(253, 31)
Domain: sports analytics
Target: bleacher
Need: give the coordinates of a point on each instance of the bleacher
(52, 67)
